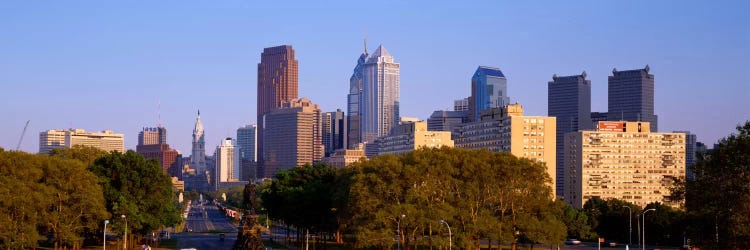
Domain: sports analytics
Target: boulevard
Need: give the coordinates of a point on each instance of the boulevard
(206, 222)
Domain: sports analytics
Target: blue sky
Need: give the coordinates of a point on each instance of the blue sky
(105, 65)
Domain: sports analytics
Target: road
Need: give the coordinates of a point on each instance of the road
(205, 219)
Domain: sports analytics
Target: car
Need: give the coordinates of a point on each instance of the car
(572, 242)
(610, 244)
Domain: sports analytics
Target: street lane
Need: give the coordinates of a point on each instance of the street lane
(203, 219)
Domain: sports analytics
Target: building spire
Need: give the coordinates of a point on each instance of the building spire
(199, 112)
(365, 43)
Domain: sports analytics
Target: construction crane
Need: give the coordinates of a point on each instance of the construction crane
(22, 133)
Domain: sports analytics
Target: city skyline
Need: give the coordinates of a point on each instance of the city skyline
(698, 56)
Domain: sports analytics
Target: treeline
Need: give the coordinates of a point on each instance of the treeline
(497, 198)
(62, 200)
(479, 194)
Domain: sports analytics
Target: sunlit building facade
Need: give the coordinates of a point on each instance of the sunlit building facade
(506, 129)
(105, 140)
(379, 100)
(622, 160)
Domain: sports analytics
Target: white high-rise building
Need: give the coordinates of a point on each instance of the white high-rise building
(106, 140)
(198, 158)
(227, 162)
(379, 101)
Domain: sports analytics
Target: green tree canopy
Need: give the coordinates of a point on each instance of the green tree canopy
(45, 195)
(719, 195)
(137, 188)
(479, 193)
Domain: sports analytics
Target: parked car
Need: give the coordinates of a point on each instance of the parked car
(572, 242)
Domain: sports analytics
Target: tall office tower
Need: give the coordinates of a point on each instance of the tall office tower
(631, 96)
(106, 140)
(461, 104)
(354, 99)
(447, 120)
(489, 89)
(278, 83)
(247, 140)
(293, 138)
(227, 163)
(334, 131)
(198, 156)
(151, 136)
(691, 152)
(507, 129)
(379, 105)
(568, 99)
(152, 144)
(622, 160)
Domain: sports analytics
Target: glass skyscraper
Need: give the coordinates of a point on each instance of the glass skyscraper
(568, 99)
(631, 96)
(353, 102)
(489, 89)
(379, 99)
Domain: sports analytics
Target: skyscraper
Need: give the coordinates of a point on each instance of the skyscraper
(334, 131)
(631, 96)
(489, 89)
(354, 100)
(247, 141)
(198, 156)
(278, 82)
(293, 138)
(379, 105)
(151, 136)
(152, 144)
(227, 164)
(568, 99)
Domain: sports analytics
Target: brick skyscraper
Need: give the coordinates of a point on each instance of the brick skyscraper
(278, 83)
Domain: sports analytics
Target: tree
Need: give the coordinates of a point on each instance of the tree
(85, 154)
(137, 188)
(576, 221)
(479, 193)
(47, 196)
(719, 195)
(302, 197)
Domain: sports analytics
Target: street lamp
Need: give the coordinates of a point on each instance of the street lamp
(125, 240)
(450, 235)
(644, 227)
(105, 234)
(630, 225)
(398, 231)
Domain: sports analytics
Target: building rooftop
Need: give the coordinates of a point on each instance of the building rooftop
(490, 71)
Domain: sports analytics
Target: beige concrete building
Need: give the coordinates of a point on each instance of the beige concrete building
(506, 129)
(409, 136)
(622, 160)
(106, 140)
(344, 157)
(293, 136)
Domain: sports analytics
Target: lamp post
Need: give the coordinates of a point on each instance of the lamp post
(105, 234)
(630, 225)
(398, 231)
(644, 227)
(450, 235)
(125, 239)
